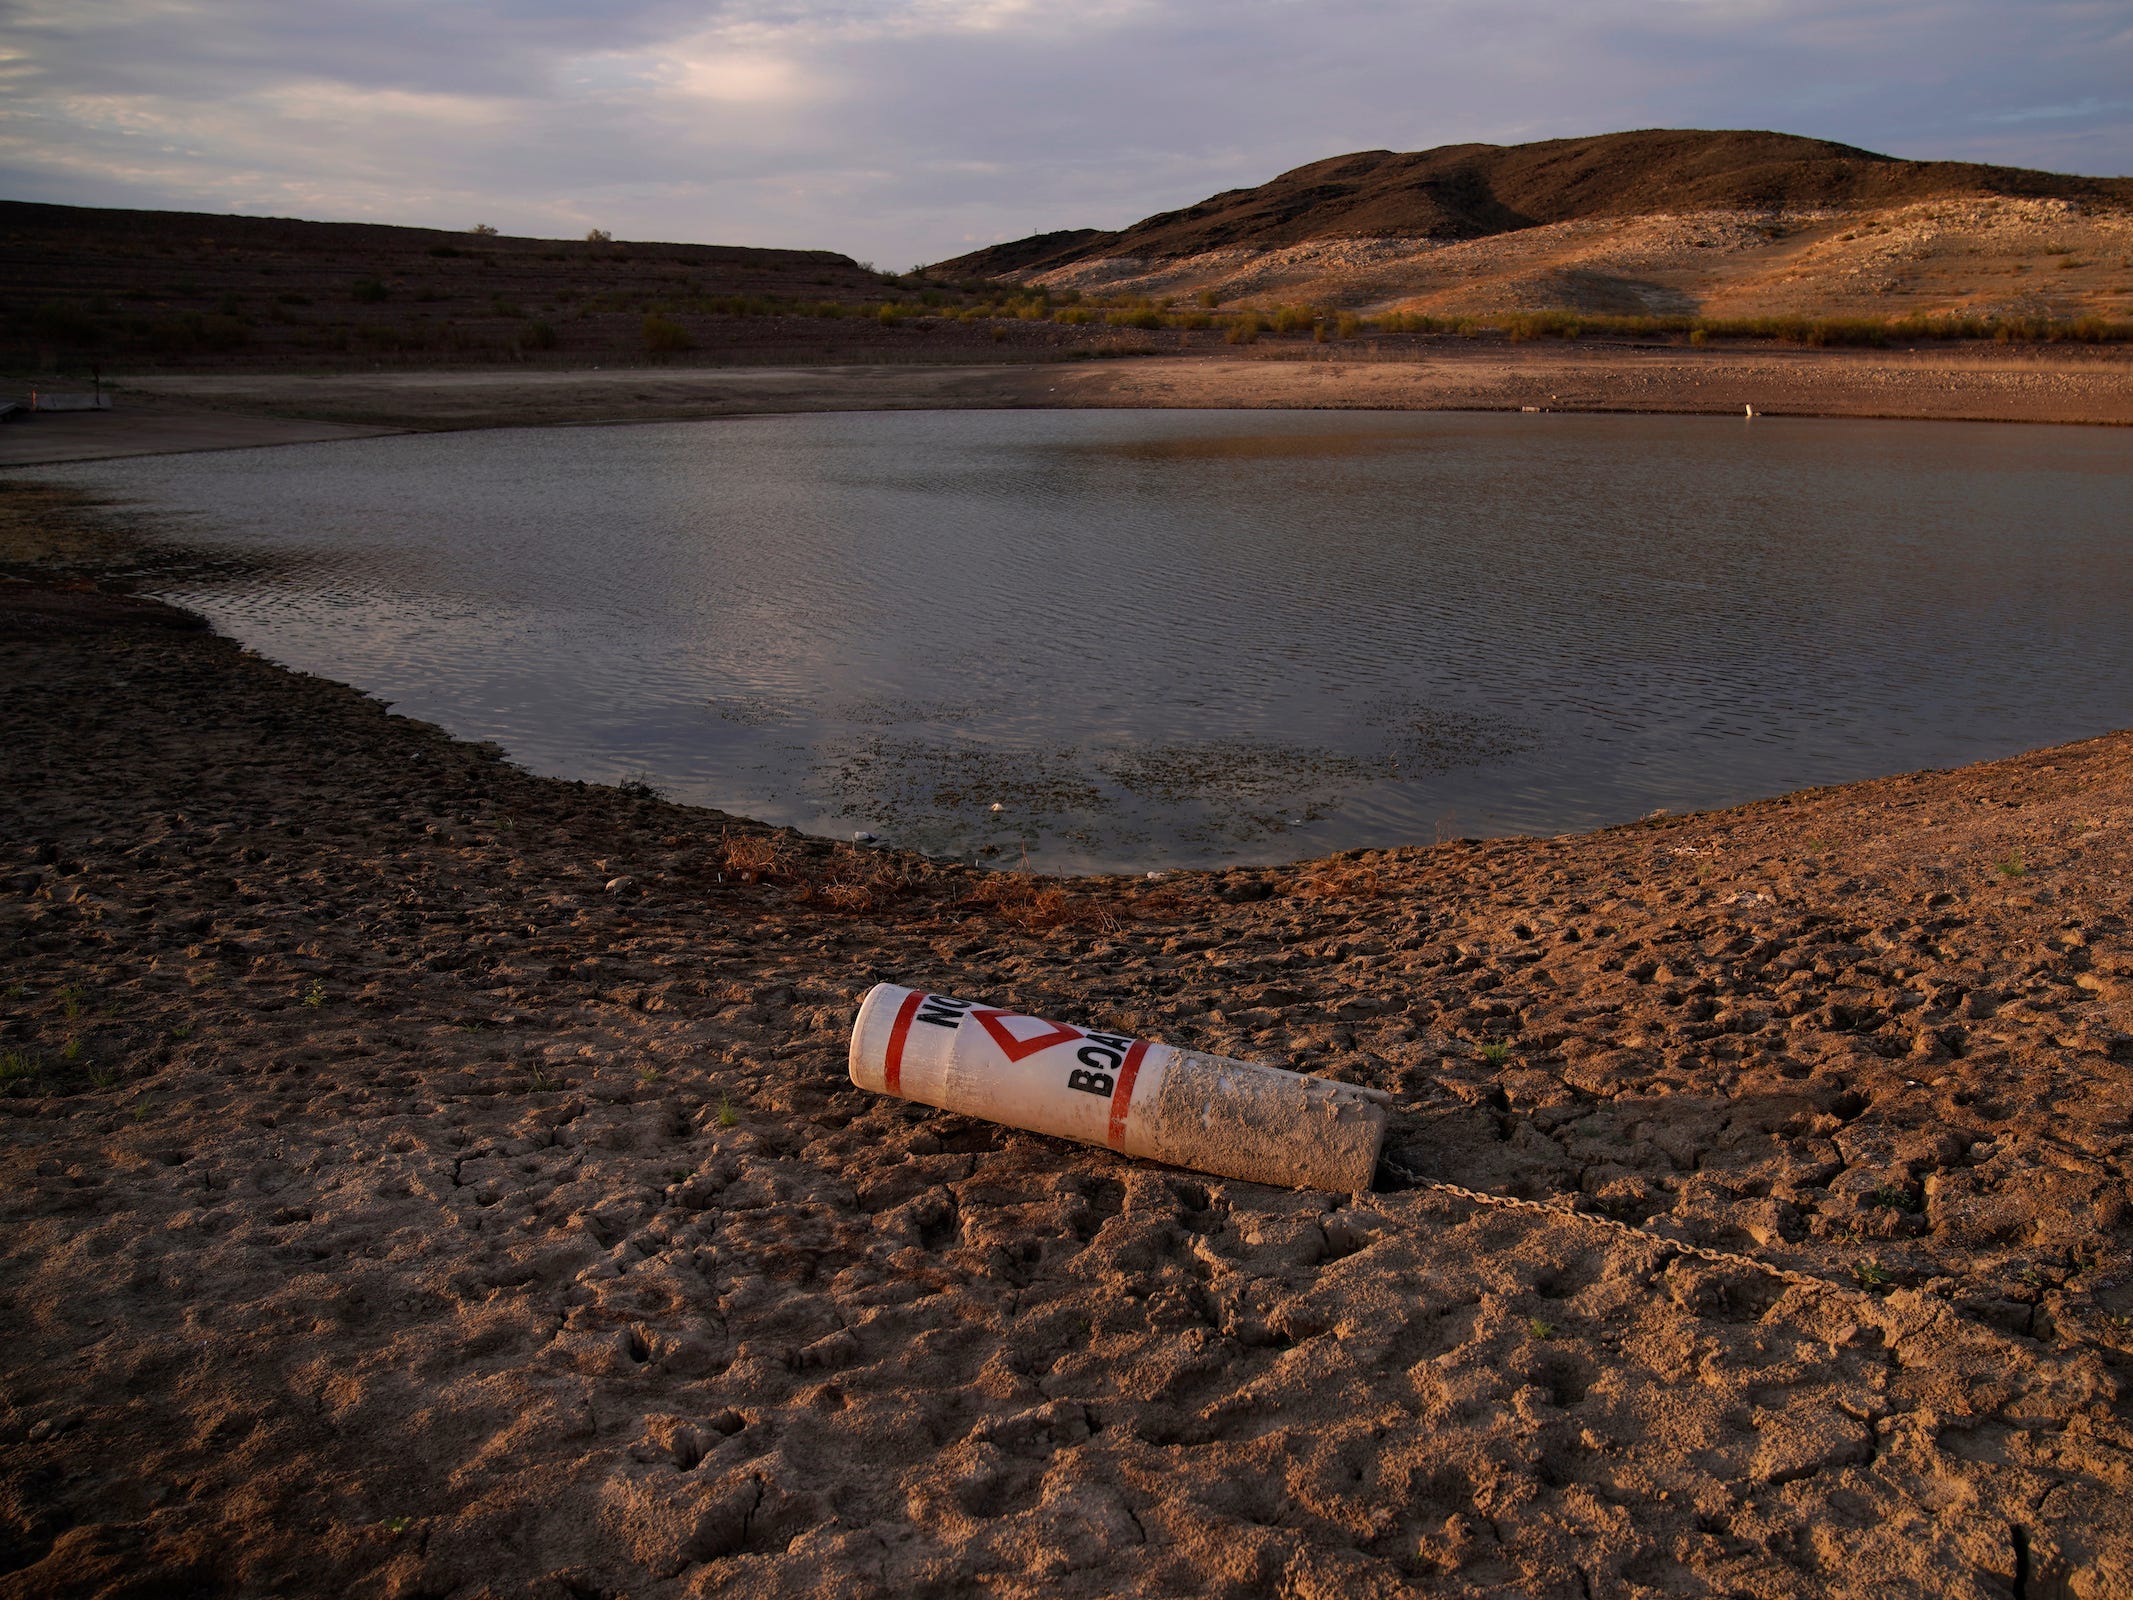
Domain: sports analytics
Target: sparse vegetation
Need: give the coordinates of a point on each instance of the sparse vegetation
(664, 336)
(2011, 865)
(16, 1066)
(1037, 904)
(1894, 1197)
(1495, 1052)
(1347, 880)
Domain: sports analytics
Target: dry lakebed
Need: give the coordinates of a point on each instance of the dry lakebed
(422, 1178)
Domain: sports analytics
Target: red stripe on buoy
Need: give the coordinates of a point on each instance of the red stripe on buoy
(892, 1070)
(1122, 1096)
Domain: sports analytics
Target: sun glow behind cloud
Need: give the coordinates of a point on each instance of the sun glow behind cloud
(909, 131)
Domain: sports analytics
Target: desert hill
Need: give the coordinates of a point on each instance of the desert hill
(1726, 222)
(157, 288)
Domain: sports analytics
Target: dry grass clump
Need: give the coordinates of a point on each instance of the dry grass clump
(844, 877)
(1037, 904)
(758, 857)
(851, 879)
(1349, 880)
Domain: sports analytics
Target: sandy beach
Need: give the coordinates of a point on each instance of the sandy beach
(423, 1178)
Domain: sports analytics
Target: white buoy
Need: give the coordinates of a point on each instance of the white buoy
(1751, 410)
(1234, 1119)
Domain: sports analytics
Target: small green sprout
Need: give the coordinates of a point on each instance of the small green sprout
(183, 1030)
(2011, 865)
(315, 996)
(70, 1001)
(1495, 1052)
(1540, 1330)
(70, 1052)
(398, 1525)
(1870, 1275)
(727, 1116)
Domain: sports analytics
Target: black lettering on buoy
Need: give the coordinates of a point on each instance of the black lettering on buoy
(1090, 1082)
(941, 1011)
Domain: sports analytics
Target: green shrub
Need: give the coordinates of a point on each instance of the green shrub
(663, 336)
(1244, 329)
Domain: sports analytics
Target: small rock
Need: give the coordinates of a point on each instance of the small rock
(622, 885)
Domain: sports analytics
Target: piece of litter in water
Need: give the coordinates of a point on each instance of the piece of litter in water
(862, 837)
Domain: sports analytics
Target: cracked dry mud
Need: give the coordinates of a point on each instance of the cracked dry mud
(393, 1208)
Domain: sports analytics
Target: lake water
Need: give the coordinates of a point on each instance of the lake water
(1164, 638)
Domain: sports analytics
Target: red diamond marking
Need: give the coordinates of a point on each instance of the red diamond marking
(1016, 1046)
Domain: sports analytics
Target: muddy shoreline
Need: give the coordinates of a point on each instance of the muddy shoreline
(422, 1178)
(1987, 383)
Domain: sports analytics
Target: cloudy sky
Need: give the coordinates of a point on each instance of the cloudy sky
(901, 131)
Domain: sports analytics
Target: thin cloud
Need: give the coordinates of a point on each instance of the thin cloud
(909, 131)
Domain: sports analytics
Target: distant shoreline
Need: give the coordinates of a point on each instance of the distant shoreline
(2090, 385)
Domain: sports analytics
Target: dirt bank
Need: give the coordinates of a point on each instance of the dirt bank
(420, 1178)
(1988, 383)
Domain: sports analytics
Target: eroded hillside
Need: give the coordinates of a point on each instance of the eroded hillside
(1715, 225)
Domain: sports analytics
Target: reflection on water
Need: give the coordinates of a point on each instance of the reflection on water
(1166, 637)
